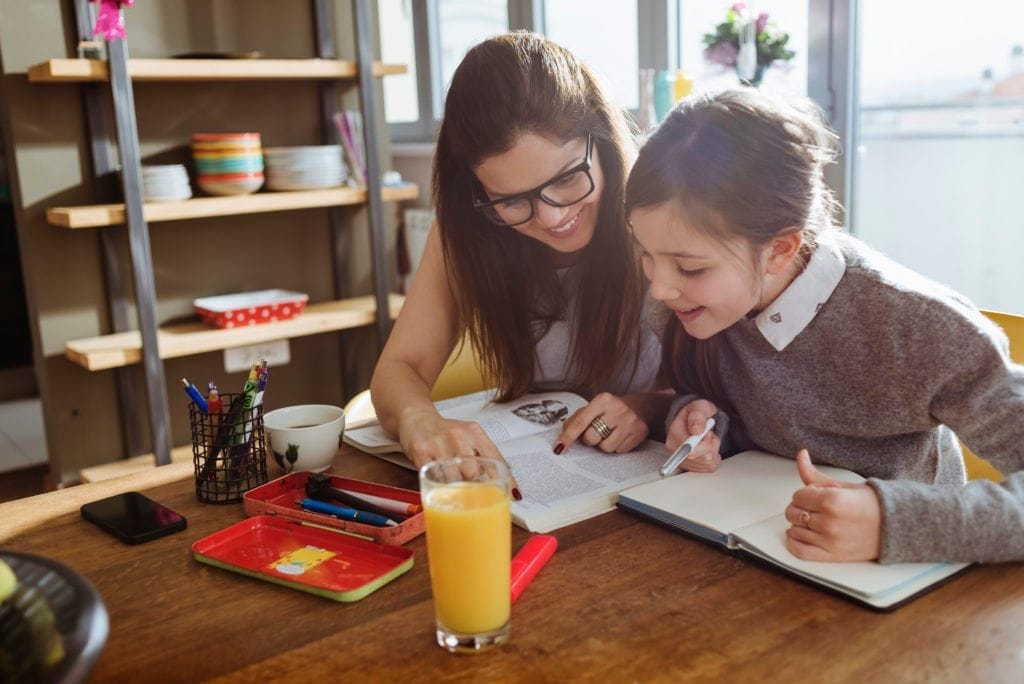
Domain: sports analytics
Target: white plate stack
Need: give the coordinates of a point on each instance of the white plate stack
(165, 183)
(305, 167)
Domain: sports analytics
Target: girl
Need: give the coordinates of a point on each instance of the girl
(809, 340)
(530, 258)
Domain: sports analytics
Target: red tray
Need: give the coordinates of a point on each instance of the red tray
(278, 497)
(303, 557)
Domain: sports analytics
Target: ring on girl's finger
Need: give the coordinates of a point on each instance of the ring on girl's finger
(601, 428)
(805, 518)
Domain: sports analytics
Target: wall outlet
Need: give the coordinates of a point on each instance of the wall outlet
(277, 353)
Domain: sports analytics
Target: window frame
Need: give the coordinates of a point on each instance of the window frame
(833, 28)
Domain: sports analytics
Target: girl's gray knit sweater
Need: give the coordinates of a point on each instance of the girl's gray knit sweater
(885, 377)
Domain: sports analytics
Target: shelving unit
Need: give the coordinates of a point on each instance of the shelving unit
(149, 344)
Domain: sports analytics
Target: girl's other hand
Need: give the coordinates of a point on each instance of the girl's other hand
(706, 456)
(625, 428)
(428, 436)
(831, 520)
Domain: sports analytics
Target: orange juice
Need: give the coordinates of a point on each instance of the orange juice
(469, 546)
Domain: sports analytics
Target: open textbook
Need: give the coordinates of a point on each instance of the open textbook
(742, 506)
(559, 490)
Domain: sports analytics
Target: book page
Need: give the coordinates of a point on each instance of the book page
(579, 483)
(881, 584)
(527, 415)
(747, 488)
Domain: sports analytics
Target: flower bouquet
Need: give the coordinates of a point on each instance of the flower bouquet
(747, 44)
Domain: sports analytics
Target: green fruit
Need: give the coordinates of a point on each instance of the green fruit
(7, 581)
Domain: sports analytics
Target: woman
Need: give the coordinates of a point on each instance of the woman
(529, 260)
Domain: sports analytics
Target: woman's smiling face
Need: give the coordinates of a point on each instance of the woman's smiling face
(532, 161)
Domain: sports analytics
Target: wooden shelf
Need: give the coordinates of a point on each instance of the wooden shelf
(97, 215)
(125, 349)
(83, 70)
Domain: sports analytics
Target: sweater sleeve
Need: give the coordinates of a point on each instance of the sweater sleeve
(982, 401)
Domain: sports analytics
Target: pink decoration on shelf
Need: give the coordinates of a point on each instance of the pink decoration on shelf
(109, 22)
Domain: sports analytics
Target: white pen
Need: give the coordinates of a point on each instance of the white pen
(676, 459)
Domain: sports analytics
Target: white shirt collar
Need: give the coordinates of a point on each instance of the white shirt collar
(792, 311)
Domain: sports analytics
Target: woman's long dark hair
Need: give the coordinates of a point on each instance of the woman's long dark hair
(504, 284)
(741, 164)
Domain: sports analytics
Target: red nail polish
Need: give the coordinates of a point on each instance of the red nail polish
(559, 448)
(516, 495)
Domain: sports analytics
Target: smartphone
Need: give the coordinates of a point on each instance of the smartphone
(133, 518)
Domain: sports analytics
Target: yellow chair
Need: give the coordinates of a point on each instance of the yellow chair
(1013, 326)
(460, 375)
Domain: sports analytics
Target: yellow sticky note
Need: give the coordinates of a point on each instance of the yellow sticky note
(301, 560)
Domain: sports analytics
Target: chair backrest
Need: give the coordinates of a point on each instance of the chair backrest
(461, 374)
(1013, 326)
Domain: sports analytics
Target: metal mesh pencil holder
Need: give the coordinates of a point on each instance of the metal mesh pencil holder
(228, 450)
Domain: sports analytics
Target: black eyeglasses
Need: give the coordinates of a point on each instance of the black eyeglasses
(565, 189)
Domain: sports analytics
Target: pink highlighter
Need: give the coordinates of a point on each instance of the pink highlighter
(530, 559)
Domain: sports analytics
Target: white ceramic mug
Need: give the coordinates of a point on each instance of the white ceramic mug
(305, 437)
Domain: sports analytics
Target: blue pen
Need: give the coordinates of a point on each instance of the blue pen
(192, 392)
(349, 514)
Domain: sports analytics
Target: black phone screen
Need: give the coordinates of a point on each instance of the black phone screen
(133, 518)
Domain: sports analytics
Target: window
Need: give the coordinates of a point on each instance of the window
(401, 104)
(602, 33)
(940, 136)
(439, 32)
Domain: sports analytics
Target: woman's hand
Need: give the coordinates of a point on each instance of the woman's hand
(830, 520)
(690, 421)
(608, 422)
(427, 436)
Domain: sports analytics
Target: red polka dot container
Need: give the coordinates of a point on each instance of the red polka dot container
(250, 308)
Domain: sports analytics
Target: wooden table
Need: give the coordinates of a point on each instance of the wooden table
(622, 600)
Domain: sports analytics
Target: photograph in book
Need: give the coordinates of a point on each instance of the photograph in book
(557, 490)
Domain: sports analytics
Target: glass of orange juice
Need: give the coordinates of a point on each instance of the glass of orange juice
(469, 545)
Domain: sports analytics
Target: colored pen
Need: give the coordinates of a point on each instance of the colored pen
(392, 505)
(215, 405)
(320, 487)
(194, 394)
(349, 514)
(530, 559)
(684, 450)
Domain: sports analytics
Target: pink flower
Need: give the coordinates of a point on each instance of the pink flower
(762, 21)
(722, 53)
(738, 6)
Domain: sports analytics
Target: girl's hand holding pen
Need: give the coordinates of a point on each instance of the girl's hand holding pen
(427, 436)
(706, 456)
(608, 422)
(831, 520)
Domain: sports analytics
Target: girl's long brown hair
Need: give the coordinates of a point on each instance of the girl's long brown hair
(738, 163)
(504, 284)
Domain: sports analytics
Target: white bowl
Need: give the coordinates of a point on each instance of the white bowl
(305, 437)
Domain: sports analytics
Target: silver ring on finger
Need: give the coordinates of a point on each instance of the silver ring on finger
(601, 428)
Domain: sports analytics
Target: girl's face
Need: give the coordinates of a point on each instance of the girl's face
(707, 283)
(532, 161)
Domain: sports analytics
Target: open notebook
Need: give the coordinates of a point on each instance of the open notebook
(741, 506)
(557, 490)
